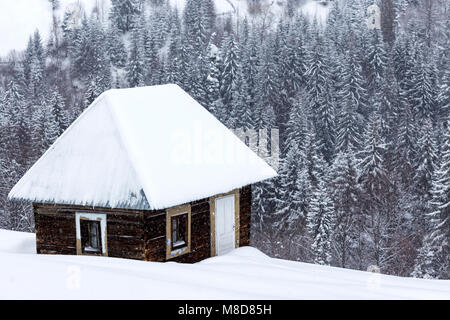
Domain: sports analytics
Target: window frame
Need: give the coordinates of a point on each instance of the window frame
(98, 217)
(175, 218)
(171, 213)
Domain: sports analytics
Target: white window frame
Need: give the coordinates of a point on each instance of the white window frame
(101, 217)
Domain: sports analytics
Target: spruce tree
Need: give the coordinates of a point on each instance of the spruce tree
(116, 48)
(376, 188)
(345, 194)
(135, 66)
(320, 224)
(434, 255)
(422, 89)
(297, 130)
(376, 62)
(229, 73)
(124, 14)
(427, 160)
(320, 91)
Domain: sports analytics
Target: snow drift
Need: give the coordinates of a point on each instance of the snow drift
(246, 273)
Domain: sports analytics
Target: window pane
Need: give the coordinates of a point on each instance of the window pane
(174, 229)
(182, 228)
(84, 230)
(94, 235)
(90, 236)
(179, 227)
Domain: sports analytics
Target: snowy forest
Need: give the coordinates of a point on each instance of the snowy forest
(362, 114)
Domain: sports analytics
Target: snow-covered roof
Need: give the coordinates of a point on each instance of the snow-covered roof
(141, 148)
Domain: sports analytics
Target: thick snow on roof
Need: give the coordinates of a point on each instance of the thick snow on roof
(142, 148)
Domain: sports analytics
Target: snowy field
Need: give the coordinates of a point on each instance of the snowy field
(245, 273)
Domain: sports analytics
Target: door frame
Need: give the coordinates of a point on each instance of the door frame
(212, 209)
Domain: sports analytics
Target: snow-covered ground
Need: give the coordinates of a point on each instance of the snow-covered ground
(245, 273)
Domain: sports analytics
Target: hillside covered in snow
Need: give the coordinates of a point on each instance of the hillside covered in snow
(356, 112)
(246, 273)
(15, 17)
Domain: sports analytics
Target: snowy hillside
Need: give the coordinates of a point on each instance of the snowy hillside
(312, 8)
(16, 26)
(18, 22)
(246, 273)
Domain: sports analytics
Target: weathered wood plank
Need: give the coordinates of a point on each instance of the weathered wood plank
(245, 215)
(134, 234)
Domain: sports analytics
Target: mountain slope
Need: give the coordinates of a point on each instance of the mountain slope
(245, 273)
(18, 23)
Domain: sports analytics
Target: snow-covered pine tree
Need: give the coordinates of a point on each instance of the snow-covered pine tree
(405, 151)
(376, 187)
(116, 47)
(199, 78)
(345, 194)
(15, 125)
(291, 69)
(135, 66)
(212, 86)
(376, 62)
(288, 219)
(50, 126)
(229, 76)
(335, 27)
(422, 92)
(26, 63)
(320, 92)
(174, 49)
(316, 165)
(352, 99)
(249, 64)
(58, 110)
(427, 160)
(242, 114)
(297, 126)
(151, 57)
(443, 98)
(124, 13)
(267, 91)
(287, 201)
(387, 103)
(198, 18)
(321, 219)
(434, 255)
(34, 68)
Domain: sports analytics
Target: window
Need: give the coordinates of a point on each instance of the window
(178, 231)
(91, 233)
(90, 236)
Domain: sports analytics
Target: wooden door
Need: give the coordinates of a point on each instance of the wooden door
(225, 228)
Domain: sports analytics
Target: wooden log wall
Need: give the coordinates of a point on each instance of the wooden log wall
(245, 206)
(134, 234)
(155, 234)
(56, 231)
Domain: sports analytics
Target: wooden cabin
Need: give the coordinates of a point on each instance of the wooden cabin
(144, 173)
